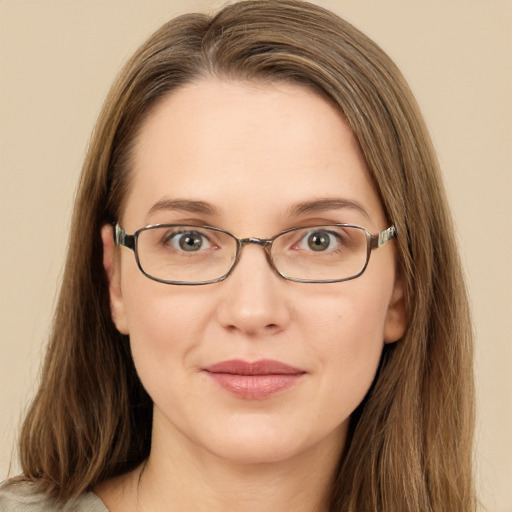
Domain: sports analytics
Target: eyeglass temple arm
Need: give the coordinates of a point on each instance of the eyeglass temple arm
(121, 238)
(383, 237)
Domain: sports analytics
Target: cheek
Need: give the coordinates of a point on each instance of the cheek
(346, 336)
(165, 327)
(349, 319)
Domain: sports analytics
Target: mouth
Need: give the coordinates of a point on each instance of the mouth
(254, 380)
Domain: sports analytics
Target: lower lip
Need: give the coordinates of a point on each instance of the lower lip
(255, 387)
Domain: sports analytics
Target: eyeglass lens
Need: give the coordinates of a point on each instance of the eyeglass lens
(197, 254)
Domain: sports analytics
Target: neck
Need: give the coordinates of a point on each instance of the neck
(181, 476)
(222, 486)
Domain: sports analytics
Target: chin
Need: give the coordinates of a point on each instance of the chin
(256, 451)
(259, 442)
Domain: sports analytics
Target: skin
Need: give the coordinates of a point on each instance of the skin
(252, 151)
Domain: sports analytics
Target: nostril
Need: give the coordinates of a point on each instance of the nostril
(253, 330)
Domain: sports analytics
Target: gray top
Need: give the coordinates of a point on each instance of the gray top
(21, 496)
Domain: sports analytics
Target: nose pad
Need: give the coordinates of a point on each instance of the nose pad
(253, 302)
(264, 244)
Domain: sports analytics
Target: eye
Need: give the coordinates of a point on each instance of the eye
(188, 241)
(319, 241)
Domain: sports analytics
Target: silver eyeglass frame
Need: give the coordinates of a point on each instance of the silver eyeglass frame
(121, 238)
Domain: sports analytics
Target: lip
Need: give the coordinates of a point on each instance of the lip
(254, 380)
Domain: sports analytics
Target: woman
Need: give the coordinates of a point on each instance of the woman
(190, 369)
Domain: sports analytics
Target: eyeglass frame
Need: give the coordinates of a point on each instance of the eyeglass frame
(121, 238)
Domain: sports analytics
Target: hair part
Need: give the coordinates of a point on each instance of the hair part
(411, 439)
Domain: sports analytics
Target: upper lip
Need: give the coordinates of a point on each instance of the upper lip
(261, 367)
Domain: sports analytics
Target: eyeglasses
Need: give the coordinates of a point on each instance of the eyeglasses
(185, 254)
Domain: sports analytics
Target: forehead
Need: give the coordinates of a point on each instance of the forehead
(248, 149)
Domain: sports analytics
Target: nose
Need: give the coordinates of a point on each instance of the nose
(253, 297)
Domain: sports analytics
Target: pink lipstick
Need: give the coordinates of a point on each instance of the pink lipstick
(256, 380)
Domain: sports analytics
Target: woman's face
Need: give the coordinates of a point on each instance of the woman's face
(253, 159)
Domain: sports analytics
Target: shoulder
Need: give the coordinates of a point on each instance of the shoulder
(18, 495)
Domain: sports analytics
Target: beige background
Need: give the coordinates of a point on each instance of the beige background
(57, 60)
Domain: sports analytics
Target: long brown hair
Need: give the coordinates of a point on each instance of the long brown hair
(410, 445)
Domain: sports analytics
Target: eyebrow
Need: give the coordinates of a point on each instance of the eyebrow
(183, 205)
(326, 204)
(303, 208)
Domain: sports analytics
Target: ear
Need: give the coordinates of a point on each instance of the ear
(111, 264)
(396, 316)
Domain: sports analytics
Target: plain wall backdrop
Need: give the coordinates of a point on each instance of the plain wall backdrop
(57, 61)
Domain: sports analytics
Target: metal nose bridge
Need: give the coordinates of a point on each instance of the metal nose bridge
(264, 242)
